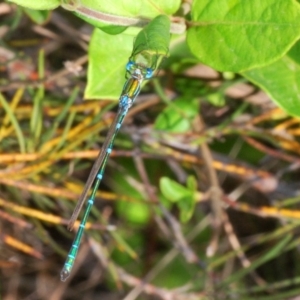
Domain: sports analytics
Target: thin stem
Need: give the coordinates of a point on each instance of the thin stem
(103, 17)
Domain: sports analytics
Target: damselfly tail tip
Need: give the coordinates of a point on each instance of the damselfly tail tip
(64, 274)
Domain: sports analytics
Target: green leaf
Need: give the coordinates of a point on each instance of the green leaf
(132, 8)
(186, 207)
(107, 28)
(39, 5)
(238, 35)
(281, 81)
(172, 190)
(152, 43)
(187, 204)
(108, 55)
(183, 196)
(106, 15)
(178, 117)
(37, 16)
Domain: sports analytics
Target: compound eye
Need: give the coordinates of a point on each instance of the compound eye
(129, 65)
(149, 73)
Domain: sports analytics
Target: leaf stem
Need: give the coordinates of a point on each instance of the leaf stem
(103, 17)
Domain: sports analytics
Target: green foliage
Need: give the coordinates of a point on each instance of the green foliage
(110, 67)
(257, 39)
(252, 37)
(178, 117)
(152, 43)
(130, 8)
(39, 5)
(281, 80)
(106, 15)
(240, 35)
(184, 197)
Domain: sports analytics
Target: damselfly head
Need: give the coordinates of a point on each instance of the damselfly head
(138, 71)
(142, 72)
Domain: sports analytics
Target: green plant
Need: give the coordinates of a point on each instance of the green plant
(200, 197)
(257, 40)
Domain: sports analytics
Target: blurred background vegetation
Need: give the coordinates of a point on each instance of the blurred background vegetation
(200, 199)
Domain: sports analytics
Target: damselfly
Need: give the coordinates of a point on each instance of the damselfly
(136, 75)
(150, 46)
